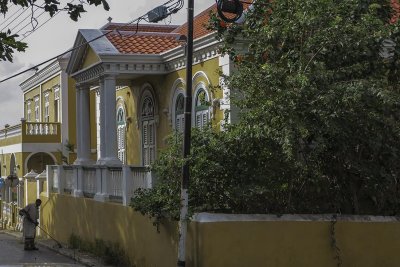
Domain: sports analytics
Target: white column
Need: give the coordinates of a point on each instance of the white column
(20, 193)
(83, 125)
(108, 121)
(78, 124)
(102, 122)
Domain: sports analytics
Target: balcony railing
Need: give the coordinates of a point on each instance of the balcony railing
(89, 181)
(117, 184)
(42, 128)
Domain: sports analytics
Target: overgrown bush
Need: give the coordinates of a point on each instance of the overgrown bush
(320, 116)
(111, 253)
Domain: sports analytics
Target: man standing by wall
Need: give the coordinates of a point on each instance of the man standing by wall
(31, 216)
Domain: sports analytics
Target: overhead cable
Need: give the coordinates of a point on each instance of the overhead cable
(136, 21)
(28, 33)
(8, 18)
(23, 11)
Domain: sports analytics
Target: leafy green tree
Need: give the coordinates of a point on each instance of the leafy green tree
(9, 41)
(321, 79)
(318, 90)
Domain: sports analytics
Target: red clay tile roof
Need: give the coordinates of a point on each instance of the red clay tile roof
(143, 44)
(199, 23)
(155, 39)
(395, 11)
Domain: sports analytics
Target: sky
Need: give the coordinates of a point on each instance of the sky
(58, 35)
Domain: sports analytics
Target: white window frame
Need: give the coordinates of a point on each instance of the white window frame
(46, 107)
(29, 110)
(121, 134)
(201, 117)
(37, 108)
(179, 119)
(148, 130)
(57, 104)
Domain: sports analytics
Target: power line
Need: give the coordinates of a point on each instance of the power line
(27, 17)
(27, 34)
(178, 4)
(23, 11)
(31, 22)
(21, 8)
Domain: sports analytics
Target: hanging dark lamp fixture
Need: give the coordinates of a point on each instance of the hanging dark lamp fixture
(232, 7)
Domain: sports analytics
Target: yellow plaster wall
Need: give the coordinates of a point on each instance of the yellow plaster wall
(290, 243)
(11, 141)
(125, 97)
(90, 59)
(31, 189)
(229, 243)
(24, 169)
(163, 91)
(63, 215)
(56, 138)
(46, 86)
(31, 94)
(50, 84)
(5, 159)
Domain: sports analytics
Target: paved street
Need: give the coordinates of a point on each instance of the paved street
(12, 254)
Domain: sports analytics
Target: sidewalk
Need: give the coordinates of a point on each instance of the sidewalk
(80, 257)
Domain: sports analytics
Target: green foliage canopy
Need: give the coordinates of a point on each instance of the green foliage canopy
(318, 88)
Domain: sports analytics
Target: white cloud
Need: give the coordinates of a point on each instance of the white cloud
(58, 35)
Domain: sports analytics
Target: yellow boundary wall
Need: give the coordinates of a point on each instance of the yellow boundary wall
(229, 240)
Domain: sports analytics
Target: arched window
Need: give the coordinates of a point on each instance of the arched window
(148, 130)
(121, 134)
(179, 113)
(202, 108)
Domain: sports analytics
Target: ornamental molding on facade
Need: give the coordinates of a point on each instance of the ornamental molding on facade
(204, 48)
(89, 74)
(46, 73)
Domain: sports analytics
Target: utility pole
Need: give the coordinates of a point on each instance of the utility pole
(186, 140)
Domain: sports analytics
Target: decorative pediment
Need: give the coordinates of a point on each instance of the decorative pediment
(88, 51)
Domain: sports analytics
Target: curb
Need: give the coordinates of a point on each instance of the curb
(79, 257)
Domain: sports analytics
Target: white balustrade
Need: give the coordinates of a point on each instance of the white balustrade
(41, 128)
(69, 179)
(115, 183)
(141, 177)
(89, 181)
(56, 181)
(103, 183)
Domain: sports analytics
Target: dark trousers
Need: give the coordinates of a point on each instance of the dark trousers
(29, 243)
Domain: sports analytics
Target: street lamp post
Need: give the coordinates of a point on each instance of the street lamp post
(186, 140)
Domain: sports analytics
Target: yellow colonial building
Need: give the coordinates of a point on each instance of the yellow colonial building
(44, 137)
(99, 115)
(129, 83)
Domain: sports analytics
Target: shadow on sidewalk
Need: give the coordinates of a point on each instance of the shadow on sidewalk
(80, 257)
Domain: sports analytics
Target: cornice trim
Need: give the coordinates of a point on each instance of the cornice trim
(44, 74)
